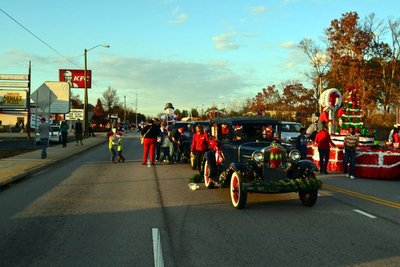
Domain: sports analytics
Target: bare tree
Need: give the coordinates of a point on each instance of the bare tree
(320, 62)
(110, 99)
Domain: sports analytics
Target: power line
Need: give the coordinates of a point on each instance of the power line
(37, 37)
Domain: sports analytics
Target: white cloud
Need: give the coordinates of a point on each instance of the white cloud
(225, 41)
(289, 45)
(258, 10)
(185, 84)
(178, 16)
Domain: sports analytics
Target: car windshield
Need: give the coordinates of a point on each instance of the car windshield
(252, 132)
(291, 127)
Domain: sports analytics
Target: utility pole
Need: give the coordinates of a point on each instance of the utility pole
(136, 112)
(125, 108)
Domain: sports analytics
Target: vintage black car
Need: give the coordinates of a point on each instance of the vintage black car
(246, 154)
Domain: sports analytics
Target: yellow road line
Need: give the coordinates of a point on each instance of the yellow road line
(362, 196)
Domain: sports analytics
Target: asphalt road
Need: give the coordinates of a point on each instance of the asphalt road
(89, 212)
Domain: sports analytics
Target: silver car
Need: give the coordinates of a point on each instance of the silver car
(54, 137)
(290, 130)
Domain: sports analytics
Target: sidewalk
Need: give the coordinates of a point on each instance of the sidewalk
(23, 165)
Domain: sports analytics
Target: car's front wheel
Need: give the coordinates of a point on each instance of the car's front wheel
(309, 198)
(238, 194)
(207, 180)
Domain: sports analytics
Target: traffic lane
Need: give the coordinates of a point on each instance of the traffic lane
(86, 210)
(204, 229)
(384, 189)
(377, 198)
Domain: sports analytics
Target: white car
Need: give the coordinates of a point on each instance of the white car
(53, 138)
(290, 130)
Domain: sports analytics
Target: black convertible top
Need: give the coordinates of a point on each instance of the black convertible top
(246, 120)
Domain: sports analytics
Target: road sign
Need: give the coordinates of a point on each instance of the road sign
(74, 115)
(55, 95)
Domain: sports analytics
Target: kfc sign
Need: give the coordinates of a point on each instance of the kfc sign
(76, 78)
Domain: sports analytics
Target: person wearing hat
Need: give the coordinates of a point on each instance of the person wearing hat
(44, 133)
(120, 146)
(395, 126)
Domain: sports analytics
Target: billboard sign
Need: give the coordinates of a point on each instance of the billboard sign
(75, 78)
(13, 99)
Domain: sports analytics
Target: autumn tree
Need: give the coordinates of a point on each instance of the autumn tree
(383, 66)
(268, 99)
(98, 112)
(349, 43)
(298, 99)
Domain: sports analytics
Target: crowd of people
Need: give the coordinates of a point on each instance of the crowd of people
(164, 144)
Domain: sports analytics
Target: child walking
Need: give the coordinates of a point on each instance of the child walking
(111, 145)
(165, 144)
(120, 147)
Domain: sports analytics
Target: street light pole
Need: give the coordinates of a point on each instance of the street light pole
(125, 108)
(86, 101)
(320, 91)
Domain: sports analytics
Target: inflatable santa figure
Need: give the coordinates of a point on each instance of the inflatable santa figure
(330, 100)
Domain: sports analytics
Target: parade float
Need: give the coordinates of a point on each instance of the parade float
(372, 160)
(168, 117)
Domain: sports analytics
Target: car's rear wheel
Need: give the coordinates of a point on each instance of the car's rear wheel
(207, 180)
(238, 194)
(309, 198)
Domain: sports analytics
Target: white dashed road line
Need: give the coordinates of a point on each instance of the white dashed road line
(157, 250)
(365, 214)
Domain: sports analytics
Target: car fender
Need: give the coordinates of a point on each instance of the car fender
(210, 157)
(242, 168)
(307, 164)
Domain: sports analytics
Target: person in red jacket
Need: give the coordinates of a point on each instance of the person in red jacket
(200, 144)
(323, 141)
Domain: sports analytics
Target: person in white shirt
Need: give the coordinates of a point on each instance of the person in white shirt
(44, 133)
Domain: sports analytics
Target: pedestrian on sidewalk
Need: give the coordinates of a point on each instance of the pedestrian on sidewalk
(91, 132)
(350, 144)
(78, 132)
(44, 133)
(324, 142)
(120, 147)
(111, 146)
(64, 127)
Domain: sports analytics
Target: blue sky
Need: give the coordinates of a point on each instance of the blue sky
(192, 53)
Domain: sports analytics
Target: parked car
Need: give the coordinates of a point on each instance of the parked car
(246, 155)
(54, 137)
(290, 130)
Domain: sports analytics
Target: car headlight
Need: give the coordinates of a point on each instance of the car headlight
(294, 155)
(257, 156)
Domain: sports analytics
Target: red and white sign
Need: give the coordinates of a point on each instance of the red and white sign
(76, 78)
